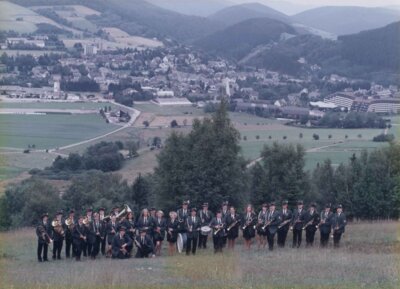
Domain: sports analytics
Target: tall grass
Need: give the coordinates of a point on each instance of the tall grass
(368, 258)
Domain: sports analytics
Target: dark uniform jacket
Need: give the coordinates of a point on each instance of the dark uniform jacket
(298, 219)
(159, 228)
(313, 218)
(214, 225)
(273, 219)
(287, 216)
(205, 217)
(339, 223)
(58, 236)
(325, 222)
(146, 247)
(146, 224)
(95, 230)
(111, 230)
(192, 228)
(230, 221)
(79, 234)
(44, 239)
(172, 230)
(130, 226)
(118, 242)
(182, 219)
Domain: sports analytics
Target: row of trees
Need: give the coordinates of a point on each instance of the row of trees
(206, 166)
(352, 120)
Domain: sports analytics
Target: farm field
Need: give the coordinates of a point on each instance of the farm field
(50, 131)
(34, 53)
(122, 37)
(368, 258)
(56, 105)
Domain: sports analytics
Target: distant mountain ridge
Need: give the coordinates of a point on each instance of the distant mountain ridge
(193, 7)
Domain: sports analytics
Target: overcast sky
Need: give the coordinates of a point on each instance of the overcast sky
(372, 3)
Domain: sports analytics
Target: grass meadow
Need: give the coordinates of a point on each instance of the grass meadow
(368, 258)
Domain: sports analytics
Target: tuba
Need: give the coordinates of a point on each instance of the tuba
(124, 212)
(57, 227)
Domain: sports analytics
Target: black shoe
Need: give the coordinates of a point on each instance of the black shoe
(54, 257)
(40, 260)
(45, 260)
(59, 258)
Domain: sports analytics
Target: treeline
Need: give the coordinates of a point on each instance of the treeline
(83, 84)
(352, 120)
(206, 166)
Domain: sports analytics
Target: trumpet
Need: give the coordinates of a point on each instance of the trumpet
(284, 223)
(308, 224)
(232, 225)
(266, 225)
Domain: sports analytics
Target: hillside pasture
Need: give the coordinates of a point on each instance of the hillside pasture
(122, 37)
(368, 258)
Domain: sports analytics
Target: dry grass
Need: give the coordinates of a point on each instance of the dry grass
(369, 258)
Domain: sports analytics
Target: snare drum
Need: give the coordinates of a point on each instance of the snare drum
(181, 242)
(205, 230)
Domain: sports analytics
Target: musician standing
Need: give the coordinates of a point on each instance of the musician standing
(205, 218)
(225, 212)
(121, 245)
(43, 232)
(283, 228)
(261, 219)
(58, 236)
(145, 222)
(311, 220)
(218, 225)
(144, 244)
(160, 225)
(111, 231)
(172, 232)
(103, 222)
(68, 235)
(130, 226)
(338, 225)
(96, 235)
(325, 225)
(297, 224)
(232, 227)
(249, 221)
(271, 226)
(192, 226)
(183, 213)
(87, 247)
(79, 238)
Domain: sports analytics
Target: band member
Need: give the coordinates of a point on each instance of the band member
(297, 224)
(248, 222)
(273, 219)
(325, 225)
(121, 244)
(205, 219)
(144, 244)
(225, 212)
(192, 230)
(232, 221)
(218, 225)
(338, 225)
(283, 228)
(58, 235)
(130, 226)
(68, 234)
(145, 222)
(79, 238)
(311, 220)
(172, 232)
(160, 225)
(262, 233)
(104, 223)
(87, 247)
(183, 213)
(111, 231)
(95, 235)
(43, 232)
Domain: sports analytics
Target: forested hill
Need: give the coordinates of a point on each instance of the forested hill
(238, 40)
(378, 48)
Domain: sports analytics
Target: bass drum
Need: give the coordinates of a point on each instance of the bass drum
(205, 230)
(181, 242)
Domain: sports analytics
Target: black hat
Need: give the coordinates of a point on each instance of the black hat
(194, 210)
(59, 213)
(152, 209)
(122, 228)
(340, 206)
(313, 204)
(219, 212)
(89, 210)
(72, 211)
(102, 209)
(300, 202)
(327, 206)
(285, 202)
(81, 217)
(205, 204)
(264, 205)
(185, 203)
(142, 230)
(45, 215)
(272, 204)
(225, 203)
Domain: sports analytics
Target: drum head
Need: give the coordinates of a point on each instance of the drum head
(179, 243)
(205, 230)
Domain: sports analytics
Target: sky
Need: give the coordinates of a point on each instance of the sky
(369, 3)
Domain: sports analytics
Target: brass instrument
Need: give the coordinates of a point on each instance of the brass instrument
(138, 244)
(124, 212)
(86, 221)
(44, 234)
(284, 223)
(308, 224)
(266, 224)
(57, 226)
(220, 227)
(232, 225)
(248, 222)
(69, 223)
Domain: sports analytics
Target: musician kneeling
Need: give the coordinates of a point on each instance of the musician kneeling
(218, 225)
(121, 245)
(144, 244)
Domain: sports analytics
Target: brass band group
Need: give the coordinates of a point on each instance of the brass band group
(117, 234)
